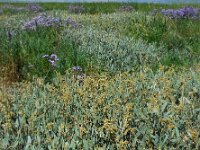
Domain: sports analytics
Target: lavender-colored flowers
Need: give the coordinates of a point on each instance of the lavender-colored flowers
(70, 21)
(77, 68)
(183, 13)
(30, 25)
(34, 7)
(52, 59)
(42, 20)
(76, 9)
(126, 8)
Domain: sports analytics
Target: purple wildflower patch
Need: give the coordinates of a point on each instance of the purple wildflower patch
(34, 7)
(70, 21)
(77, 68)
(42, 21)
(183, 13)
(52, 59)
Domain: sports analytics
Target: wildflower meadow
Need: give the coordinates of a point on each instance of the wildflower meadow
(99, 76)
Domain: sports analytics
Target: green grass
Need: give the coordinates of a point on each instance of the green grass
(179, 37)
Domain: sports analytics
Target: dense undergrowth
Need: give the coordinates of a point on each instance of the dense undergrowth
(125, 111)
(135, 83)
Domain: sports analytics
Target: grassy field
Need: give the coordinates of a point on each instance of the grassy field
(99, 76)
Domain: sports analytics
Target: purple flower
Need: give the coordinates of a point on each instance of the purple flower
(42, 21)
(48, 24)
(34, 7)
(30, 25)
(52, 62)
(186, 12)
(77, 68)
(52, 59)
(72, 22)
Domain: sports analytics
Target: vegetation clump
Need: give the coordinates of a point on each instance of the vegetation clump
(96, 78)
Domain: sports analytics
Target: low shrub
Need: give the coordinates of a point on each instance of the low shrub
(125, 111)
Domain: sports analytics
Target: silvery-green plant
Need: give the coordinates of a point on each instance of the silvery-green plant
(129, 110)
(112, 52)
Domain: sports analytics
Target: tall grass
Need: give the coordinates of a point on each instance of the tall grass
(180, 37)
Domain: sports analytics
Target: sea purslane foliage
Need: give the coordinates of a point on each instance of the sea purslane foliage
(182, 13)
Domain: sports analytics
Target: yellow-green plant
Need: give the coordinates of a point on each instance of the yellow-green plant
(124, 111)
